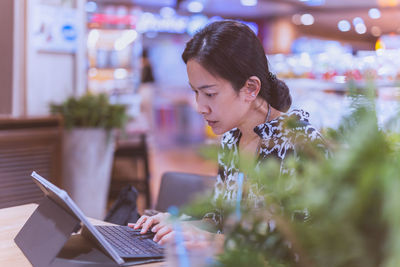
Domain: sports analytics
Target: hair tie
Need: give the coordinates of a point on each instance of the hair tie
(272, 76)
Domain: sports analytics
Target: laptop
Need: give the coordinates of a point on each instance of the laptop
(121, 243)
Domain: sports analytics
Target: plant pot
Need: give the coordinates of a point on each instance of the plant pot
(87, 161)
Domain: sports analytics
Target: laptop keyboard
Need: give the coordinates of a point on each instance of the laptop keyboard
(129, 243)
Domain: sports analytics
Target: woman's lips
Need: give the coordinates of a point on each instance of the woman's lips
(211, 123)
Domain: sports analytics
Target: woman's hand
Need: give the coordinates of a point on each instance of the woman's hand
(193, 236)
(146, 222)
(164, 233)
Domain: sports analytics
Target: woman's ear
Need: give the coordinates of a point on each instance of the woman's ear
(251, 88)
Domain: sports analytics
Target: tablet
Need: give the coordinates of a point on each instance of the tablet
(62, 198)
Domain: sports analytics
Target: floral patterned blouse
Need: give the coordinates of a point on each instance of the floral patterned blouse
(277, 141)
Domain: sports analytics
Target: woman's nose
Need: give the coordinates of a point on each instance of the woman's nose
(202, 109)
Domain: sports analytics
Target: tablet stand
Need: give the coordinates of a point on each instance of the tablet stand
(47, 231)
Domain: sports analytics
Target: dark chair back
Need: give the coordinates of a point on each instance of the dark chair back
(178, 189)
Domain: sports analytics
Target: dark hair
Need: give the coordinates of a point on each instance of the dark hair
(232, 51)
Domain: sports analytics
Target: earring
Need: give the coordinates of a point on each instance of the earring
(253, 94)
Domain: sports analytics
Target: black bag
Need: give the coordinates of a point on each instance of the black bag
(124, 209)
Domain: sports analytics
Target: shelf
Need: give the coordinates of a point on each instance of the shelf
(110, 68)
(320, 85)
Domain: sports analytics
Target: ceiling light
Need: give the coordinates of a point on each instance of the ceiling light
(196, 23)
(167, 12)
(296, 19)
(90, 7)
(374, 13)
(120, 74)
(92, 39)
(128, 37)
(357, 20)
(307, 19)
(344, 25)
(248, 2)
(376, 31)
(361, 28)
(195, 7)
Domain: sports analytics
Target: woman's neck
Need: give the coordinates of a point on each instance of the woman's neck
(254, 118)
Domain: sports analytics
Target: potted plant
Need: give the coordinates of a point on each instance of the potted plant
(88, 148)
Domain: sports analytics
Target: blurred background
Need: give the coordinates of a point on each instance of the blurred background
(131, 51)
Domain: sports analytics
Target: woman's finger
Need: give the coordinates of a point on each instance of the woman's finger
(158, 226)
(167, 238)
(162, 219)
(140, 221)
(189, 236)
(161, 232)
(149, 222)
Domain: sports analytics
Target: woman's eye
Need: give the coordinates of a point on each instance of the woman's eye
(210, 95)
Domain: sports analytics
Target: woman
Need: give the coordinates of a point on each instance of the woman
(146, 90)
(239, 97)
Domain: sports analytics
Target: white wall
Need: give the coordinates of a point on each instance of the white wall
(50, 77)
(19, 59)
(41, 76)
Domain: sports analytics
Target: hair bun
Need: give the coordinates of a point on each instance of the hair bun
(281, 95)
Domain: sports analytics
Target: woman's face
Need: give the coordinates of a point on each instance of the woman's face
(221, 106)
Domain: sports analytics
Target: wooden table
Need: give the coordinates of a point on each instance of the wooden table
(11, 221)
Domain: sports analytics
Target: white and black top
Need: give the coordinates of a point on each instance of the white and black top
(277, 140)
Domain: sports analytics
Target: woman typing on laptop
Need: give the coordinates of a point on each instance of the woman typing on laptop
(240, 98)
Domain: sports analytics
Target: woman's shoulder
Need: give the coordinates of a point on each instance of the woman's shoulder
(230, 138)
(299, 116)
(297, 124)
(294, 128)
(298, 120)
(301, 132)
(294, 124)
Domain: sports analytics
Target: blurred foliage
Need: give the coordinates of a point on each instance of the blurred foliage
(90, 111)
(339, 211)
